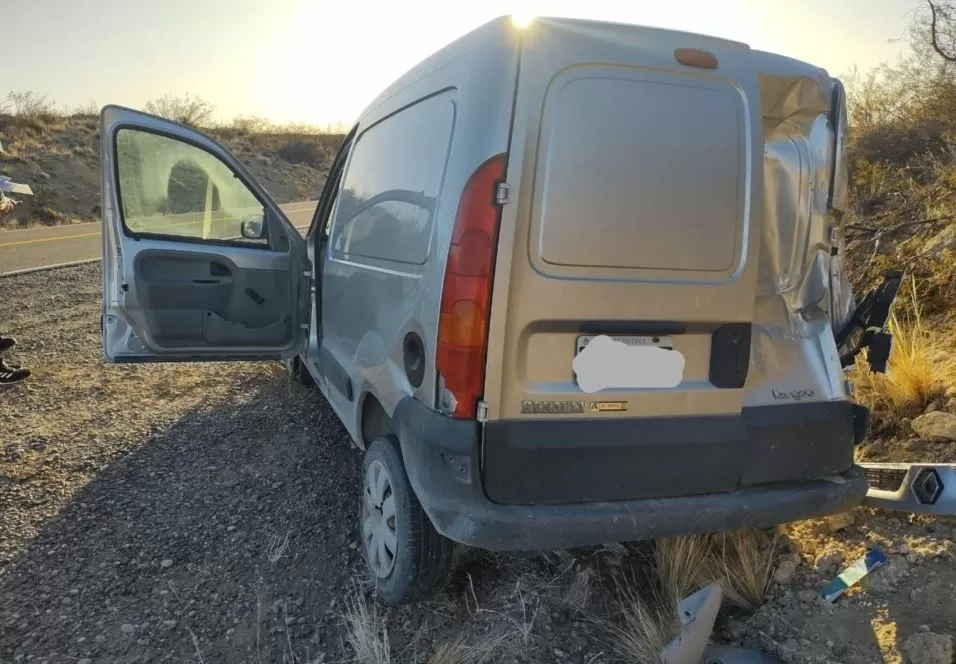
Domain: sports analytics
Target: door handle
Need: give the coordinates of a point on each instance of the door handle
(217, 269)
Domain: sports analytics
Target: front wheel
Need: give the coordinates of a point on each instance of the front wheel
(407, 558)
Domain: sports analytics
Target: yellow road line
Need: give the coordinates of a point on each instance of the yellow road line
(48, 239)
(75, 237)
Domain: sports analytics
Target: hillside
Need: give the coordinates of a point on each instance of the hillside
(58, 156)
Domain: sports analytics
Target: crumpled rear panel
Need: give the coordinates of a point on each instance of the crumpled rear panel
(802, 292)
(797, 162)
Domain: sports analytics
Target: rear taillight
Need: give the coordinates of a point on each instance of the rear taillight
(466, 291)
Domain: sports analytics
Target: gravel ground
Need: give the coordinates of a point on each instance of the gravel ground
(150, 512)
(204, 512)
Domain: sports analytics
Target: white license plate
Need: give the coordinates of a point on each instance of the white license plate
(660, 342)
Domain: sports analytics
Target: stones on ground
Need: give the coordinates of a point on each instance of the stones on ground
(929, 648)
(838, 522)
(785, 571)
(936, 425)
(169, 624)
(887, 577)
(127, 628)
(167, 563)
(828, 563)
(807, 596)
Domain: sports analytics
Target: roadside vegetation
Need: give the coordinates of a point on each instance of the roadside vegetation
(56, 151)
(613, 603)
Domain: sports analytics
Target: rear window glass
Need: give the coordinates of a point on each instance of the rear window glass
(390, 192)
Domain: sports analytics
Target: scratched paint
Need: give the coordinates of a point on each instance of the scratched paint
(608, 364)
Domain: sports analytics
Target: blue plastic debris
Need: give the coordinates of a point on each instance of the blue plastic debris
(852, 574)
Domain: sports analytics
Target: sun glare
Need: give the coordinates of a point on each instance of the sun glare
(521, 21)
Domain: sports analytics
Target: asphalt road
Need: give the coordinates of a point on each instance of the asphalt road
(55, 245)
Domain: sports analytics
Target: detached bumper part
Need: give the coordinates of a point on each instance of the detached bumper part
(441, 457)
(912, 487)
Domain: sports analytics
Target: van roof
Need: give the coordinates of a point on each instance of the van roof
(502, 32)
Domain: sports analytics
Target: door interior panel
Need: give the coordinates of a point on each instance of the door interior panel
(198, 299)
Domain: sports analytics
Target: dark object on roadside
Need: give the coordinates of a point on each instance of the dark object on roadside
(870, 318)
(11, 373)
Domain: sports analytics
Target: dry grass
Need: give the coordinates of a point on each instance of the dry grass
(683, 565)
(365, 630)
(922, 368)
(646, 621)
(577, 596)
(745, 562)
(455, 652)
(459, 651)
(742, 560)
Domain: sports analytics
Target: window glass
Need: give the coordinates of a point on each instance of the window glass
(168, 187)
(390, 191)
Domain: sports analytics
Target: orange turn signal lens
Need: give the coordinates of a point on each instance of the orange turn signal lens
(694, 57)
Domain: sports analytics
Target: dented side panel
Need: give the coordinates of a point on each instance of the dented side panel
(802, 293)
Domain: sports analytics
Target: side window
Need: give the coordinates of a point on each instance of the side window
(171, 188)
(390, 194)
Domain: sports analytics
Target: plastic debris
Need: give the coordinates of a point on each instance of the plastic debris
(852, 575)
(8, 186)
(7, 204)
(697, 614)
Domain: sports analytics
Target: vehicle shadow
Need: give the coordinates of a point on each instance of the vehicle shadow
(226, 536)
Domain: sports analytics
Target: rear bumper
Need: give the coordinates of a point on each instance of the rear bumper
(442, 460)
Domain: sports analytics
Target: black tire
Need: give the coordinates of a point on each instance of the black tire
(423, 558)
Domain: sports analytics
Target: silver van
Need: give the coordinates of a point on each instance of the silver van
(567, 284)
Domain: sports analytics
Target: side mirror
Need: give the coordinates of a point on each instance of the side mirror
(253, 229)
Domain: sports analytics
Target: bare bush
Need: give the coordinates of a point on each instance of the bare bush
(85, 109)
(304, 152)
(249, 124)
(29, 104)
(188, 109)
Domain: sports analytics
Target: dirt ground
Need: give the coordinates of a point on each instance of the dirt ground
(205, 512)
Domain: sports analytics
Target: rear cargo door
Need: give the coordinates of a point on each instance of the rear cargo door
(635, 183)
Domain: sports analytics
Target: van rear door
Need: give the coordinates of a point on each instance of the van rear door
(633, 180)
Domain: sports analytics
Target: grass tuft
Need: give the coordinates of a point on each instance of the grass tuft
(365, 630)
(745, 562)
(922, 368)
(646, 621)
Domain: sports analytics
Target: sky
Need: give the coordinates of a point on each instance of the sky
(321, 62)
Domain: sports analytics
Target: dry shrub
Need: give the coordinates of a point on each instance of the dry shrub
(684, 565)
(902, 163)
(187, 109)
(741, 560)
(249, 124)
(645, 621)
(745, 563)
(578, 594)
(459, 651)
(365, 630)
(455, 652)
(304, 152)
(922, 368)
